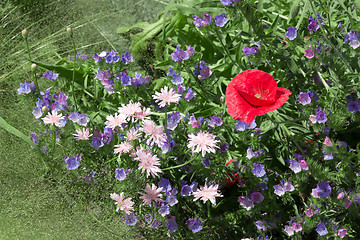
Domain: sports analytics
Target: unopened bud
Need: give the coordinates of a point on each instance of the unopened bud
(33, 66)
(44, 108)
(68, 29)
(24, 32)
(222, 98)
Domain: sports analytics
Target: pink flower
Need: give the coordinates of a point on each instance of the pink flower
(114, 121)
(328, 142)
(304, 165)
(148, 162)
(340, 195)
(289, 230)
(348, 203)
(125, 205)
(309, 53)
(166, 96)
(82, 134)
(207, 193)
(132, 134)
(130, 109)
(53, 118)
(123, 147)
(297, 227)
(151, 194)
(342, 232)
(155, 133)
(203, 141)
(309, 212)
(143, 114)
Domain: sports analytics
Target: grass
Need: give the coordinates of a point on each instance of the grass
(31, 207)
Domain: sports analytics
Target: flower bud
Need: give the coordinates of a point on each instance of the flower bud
(222, 99)
(33, 66)
(44, 108)
(24, 33)
(68, 29)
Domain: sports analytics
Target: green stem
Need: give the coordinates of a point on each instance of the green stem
(225, 49)
(73, 77)
(181, 165)
(32, 70)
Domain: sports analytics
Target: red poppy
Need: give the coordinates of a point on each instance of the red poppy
(253, 93)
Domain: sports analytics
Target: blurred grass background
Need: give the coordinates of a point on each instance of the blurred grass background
(31, 207)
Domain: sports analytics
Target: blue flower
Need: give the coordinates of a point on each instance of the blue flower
(164, 210)
(320, 116)
(202, 71)
(250, 51)
(323, 189)
(96, 143)
(171, 199)
(194, 225)
(241, 125)
(125, 79)
(97, 58)
(186, 190)
(321, 229)
(258, 170)
(291, 33)
(120, 174)
(127, 58)
(228, 2)
(352, 38)
(26, 88)
(165, 185)
(180, 55)
(353, 107)
(304, 98)
(34, 138)
(220, 20)
(189, 95)
(155, 224)
(131, 219)
(50, 75)
(176, 78)
(206, 162)
(313, 24)
(171, 225)
(72, 163)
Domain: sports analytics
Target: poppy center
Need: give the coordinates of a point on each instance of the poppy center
(258, 95)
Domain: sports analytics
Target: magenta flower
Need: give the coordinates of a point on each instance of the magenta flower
(309, 53)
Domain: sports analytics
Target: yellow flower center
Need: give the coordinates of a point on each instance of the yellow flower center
(258, 95)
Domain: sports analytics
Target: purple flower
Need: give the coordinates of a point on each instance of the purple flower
(220, 20)
(96, 143)
(215, 120)
(321, 229)
(125, 79)
(256, 197)
(327, 155)
(164, 210)
(171, 199)
(348, 203)
(353, 107)
(279, 190)
(352, 38)
(356, 198)
(202, 71)
(126, 58)
(295, 166)
(320, 116)
(291, 33)
(131, 219)
(186, 190)
(50, 75)
(26, 88)
(260, 225)
(206, 162)
(176, 78)
(155, 224)
(250, 51)
(313, 24)
(194, 225)
(323, 189)
(223, 147)
(245, 202)
(165, 185)
(83, 119)
(189, 95)
(258, 170)
(304, 98)
(34, 138)
(180, 55)
(309, 53)
(241, 125)
(171, 225)
(288, 187)
(97, 58)
(226, 2)
(72, 163)
(342, 232)
(120, 174)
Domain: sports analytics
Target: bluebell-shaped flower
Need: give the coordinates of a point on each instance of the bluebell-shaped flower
(176, 78)
(250, 51)
(72, 163)
(258, 170)
(127, 58)
(291, 33)
(220, 20)
(321, 229)
(194, 225)
(120, 174)
(202, 71)
(353, 107)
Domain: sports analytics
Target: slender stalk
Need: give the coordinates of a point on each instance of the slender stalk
(32, 70)
(73, 77)
(225, 49)
(181, 165)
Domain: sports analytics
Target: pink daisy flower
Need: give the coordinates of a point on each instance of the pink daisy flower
(123, 204)
(203, 141)
(114, 121)
(166, 96)
(148, 162)
(156, 133)
(123, 147)
(151, 194)
(133, 134)
(207, 193)
(53, 118)
(143, 114)
(130, 109)
(82, 134)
